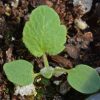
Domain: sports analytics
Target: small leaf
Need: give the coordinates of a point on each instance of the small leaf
(43, 32)
(19, 72)
(84, 79)
(58, 71)
(47, 72)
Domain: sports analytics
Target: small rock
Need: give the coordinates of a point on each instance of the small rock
(57, 97)
(64, 88)
(57, 82)
(49, 3)
(85, 5)
(25, 90)
(15, 3)
(81, 24)
(1, 37)
(73, 51)
(9, 54)
(13, 39)
(88, 36)
(98, 69)
(94, 97)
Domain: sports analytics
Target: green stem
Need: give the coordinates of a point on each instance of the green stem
(36, 74)
(46, 64)
(64, 70)
(67, 70)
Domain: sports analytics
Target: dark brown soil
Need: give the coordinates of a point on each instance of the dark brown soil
(84, 48)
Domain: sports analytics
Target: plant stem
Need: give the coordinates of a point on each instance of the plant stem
(67, 70)
(46, 64)
(36, 74)
(64, 70)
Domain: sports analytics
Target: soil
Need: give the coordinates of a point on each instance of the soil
(83, 46)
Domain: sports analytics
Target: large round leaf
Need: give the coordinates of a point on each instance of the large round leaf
(19, 72)
(84, 79)
(43, 32)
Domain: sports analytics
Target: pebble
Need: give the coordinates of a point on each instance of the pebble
(15, 4)
(64, 88)
(81, 24)
(94, 97)
(25, 90)
(85, 5)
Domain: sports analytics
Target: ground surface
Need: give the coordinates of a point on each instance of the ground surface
(82, 46)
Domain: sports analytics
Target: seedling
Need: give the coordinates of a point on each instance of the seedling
(43, 34)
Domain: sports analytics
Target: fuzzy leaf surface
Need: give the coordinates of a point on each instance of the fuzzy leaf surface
(43, 33)
(20, 72)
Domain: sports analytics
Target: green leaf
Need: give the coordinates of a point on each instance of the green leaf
(19, 72)
(84, 79)
(58, 71)
(47, 72)
(43, 32)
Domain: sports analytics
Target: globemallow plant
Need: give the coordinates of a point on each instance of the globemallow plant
(44, 35)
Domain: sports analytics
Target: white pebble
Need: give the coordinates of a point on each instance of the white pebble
(1, 36)
(13, 39)
(85, 4)
(15, 3)
(81, 24)
(57, 82)
(25, 90)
